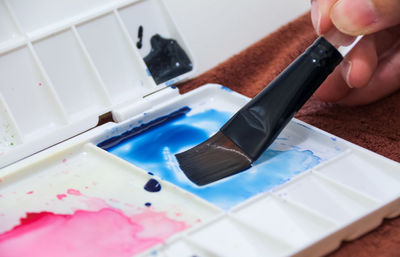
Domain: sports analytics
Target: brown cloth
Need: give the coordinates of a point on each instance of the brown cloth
(375, 126)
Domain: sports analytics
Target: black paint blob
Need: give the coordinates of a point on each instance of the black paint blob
(147, 204)
(166, 59)
(152, 186)
(140, 37)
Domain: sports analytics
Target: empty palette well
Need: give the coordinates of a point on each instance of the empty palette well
(285, 222)
(379, 179)
(337, 203)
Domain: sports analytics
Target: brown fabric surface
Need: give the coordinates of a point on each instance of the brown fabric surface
(375, 126)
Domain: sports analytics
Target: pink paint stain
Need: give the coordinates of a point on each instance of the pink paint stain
(74, 192)
(61, 196)
(40, 84)
(113, 200)
(104, 233)
(129, 205)
(64, 160)
(29, 193)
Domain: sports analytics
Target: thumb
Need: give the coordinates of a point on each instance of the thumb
(357, 17)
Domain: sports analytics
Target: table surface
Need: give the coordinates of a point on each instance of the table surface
(375, 126)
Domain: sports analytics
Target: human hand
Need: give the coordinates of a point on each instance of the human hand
(372, 69)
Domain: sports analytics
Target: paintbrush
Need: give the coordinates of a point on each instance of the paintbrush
(256, 125)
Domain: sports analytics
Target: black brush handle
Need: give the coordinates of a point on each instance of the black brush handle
(254, 127)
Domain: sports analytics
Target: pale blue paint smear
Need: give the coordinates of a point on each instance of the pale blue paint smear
(154, 151)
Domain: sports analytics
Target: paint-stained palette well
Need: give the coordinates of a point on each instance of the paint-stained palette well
(153, 146)
(102, 206)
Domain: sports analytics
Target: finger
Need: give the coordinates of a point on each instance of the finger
(320, 15)
(360, 64)
(356, 17)
(385, 39)
(333, 89)
(385, 81)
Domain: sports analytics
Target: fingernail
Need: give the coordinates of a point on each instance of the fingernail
(347, 69)
(338, 38)
(315, 15)
(353, 16)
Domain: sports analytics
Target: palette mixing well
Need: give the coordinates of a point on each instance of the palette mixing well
(117, 189)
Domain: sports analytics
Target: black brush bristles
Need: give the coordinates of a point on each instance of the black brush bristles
(214, 159)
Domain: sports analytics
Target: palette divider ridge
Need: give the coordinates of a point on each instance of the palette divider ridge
(304, 209)
(258, 232)
(335, 226)
(71, 24)
(132, 46)
(127, 164)
(92, 66)
(197, 247)
(13, 123)
(19, 42)
(64, 116)
(344, 187)
(65, 24)
(238, 225)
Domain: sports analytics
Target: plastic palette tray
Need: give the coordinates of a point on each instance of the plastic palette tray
(306, 194)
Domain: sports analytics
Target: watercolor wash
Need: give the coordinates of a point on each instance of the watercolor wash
(107, 232)
(154, 150)
(127, 211)
(82, 203)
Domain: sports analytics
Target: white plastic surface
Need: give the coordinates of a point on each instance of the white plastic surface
(63, 64)
(289, 224)
(343, 197)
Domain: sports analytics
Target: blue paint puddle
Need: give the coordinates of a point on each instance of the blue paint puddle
(154, 150)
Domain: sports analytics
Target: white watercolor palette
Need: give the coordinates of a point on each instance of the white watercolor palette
(341, 193)
(62, 69)
(308, 192)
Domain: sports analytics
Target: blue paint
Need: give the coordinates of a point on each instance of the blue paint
(152, 186)
(148, 72)
(147, 204)
(114, 141)
(171, 82)
(226, 89)
(154, 150)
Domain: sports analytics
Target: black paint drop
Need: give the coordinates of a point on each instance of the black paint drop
(152, 186)
(166, 59)
(147, 204)
(140, 37)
